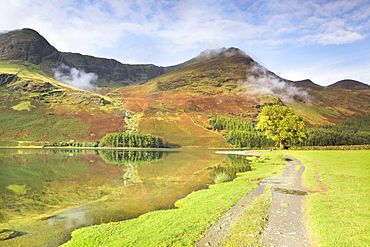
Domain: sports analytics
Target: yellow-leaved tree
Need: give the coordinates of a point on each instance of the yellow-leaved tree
(280, 124)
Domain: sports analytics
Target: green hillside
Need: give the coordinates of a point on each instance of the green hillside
(36, 108)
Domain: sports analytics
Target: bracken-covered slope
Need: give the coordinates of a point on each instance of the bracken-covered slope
(177, 105)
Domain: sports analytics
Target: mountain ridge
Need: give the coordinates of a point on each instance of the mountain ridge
(350, 84)
(28, 45)
(175, 102)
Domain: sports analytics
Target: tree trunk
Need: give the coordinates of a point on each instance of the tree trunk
(282, 147)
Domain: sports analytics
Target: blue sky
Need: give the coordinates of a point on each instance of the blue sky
(323, 40)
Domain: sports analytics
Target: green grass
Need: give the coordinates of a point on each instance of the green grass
(175, 227)
(24, 105)
(339, 207)
(18, 189)
(269, 163)
(35, 125)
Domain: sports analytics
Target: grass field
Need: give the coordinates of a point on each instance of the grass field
(339, 206)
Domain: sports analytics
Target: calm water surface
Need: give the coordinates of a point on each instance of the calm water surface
(46, 194)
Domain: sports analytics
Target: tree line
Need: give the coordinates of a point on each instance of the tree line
(353, 131)
(229, 123)
(118, 140)
(131, 140)
(240, 133)
(74, 144)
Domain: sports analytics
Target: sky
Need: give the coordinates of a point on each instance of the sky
(322, 40)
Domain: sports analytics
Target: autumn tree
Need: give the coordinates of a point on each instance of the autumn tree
(280, 124)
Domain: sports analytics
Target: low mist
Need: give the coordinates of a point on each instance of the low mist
(212, 53)
(261, 79)
(75, 77)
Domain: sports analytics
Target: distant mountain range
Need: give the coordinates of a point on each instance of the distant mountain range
(173, 102)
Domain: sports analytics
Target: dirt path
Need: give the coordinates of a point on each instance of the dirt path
(286, 225)
(218, 232)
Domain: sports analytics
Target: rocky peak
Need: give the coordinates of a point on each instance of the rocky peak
(212, 53)
(28, 45)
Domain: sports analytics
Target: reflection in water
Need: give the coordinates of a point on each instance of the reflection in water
(129, 177)
(233, 164)
(46, 194)
(123, 157)
(129, 161)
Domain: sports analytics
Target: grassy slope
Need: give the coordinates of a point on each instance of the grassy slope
(331, 105)
(177, 105)
(47, 115)
(338, 207)
(176, 227)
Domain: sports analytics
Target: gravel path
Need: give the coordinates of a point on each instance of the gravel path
(286, 225)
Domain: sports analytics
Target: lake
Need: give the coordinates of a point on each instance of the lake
(48, 193)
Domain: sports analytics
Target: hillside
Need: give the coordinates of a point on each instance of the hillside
(36, 108)
(174, 102)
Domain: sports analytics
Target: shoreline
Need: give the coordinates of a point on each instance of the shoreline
(245, 152)
(221, 150)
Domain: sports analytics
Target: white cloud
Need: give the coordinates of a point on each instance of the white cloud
(187, 23)
(337, 37)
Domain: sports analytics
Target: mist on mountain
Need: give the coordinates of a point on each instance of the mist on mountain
(259, 78)
(75, 77)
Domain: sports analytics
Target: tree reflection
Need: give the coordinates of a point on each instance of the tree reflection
(233, 164)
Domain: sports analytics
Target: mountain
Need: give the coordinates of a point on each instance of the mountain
(306, 81)
(172, 102)
(351, 85)
(27, 45)
(230, 83)
(112, 73)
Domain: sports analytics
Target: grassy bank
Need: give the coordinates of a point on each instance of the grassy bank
(339, 205)
(176, 227)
